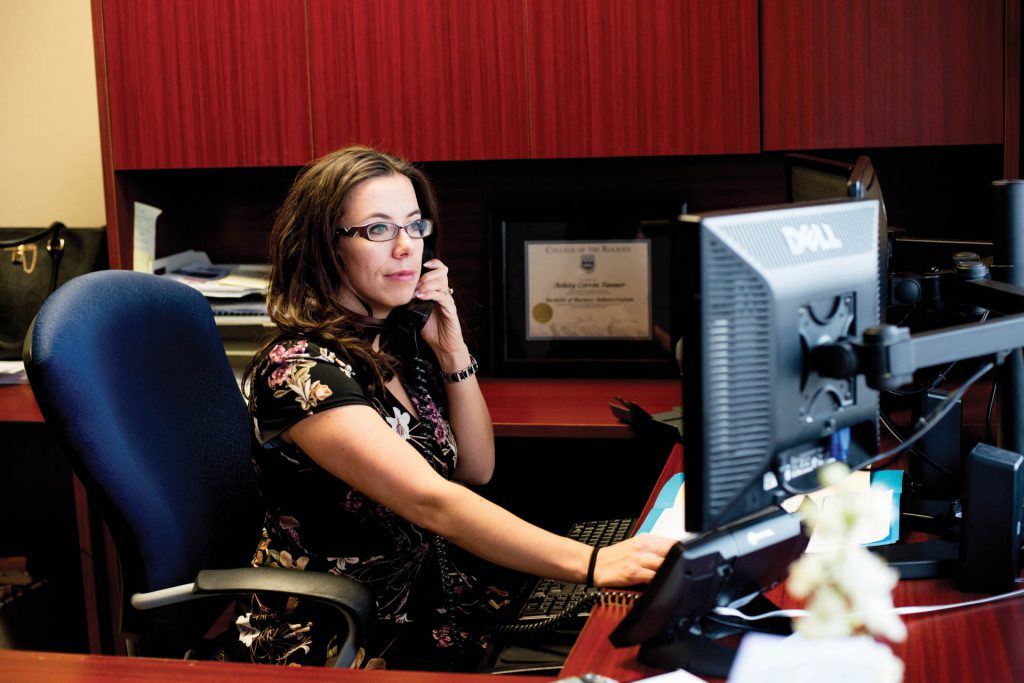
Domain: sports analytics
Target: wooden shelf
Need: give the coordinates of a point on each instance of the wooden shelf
(560, 408)
(571, 408)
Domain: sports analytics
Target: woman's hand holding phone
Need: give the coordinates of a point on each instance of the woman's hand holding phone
(442, 331)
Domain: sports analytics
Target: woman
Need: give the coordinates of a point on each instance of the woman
(370, 430)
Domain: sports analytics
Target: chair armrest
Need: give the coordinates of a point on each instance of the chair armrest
(351, 598)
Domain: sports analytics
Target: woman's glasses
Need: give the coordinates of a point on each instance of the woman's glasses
(385, 232)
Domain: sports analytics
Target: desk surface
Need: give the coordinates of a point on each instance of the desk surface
(983, 643)
(46, 667)
(571, 408)
(17, 404)
(565, 408)
(970, 644)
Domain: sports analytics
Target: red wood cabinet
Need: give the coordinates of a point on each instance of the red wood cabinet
(873, 73)
(643, 77)
(217, 83)
(429, 80)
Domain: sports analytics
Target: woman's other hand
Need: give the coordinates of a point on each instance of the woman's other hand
(635, 560)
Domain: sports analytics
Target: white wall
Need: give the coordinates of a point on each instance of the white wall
(50, 165)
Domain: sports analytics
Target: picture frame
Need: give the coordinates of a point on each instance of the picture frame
(527, 302)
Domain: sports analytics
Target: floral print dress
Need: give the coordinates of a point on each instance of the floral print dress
(317, 522)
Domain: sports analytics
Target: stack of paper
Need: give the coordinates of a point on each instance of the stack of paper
(12, 372)
(233, 290)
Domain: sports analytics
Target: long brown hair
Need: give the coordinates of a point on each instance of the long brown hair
(305, 263)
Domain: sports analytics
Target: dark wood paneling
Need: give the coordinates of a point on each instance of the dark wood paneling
(429, 80)
(207, 84)
(932, 192)
(643, 77)
(37, 505)
(872, 73)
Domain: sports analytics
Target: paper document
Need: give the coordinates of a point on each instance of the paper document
(667, 515)
(669, 523)
(215, 281)
(12, 372)
(880, 505)
(764, 658)
(144, 246)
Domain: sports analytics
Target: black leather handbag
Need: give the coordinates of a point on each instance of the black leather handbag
(33, 263)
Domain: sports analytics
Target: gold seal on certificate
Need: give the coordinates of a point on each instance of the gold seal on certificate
(588, 290)
(542, 313)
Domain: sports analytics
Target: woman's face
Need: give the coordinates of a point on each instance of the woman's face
(382, 274)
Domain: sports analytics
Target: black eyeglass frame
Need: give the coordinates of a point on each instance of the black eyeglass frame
(418, 229)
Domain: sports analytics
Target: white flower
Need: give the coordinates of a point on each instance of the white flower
(246, 632)
(400, 423)
(848, 589)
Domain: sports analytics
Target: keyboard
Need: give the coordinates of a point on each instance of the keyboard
(550, 597)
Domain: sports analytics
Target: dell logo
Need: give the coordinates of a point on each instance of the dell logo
(814, 237)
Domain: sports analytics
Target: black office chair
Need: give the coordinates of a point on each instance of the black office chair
(131, 375)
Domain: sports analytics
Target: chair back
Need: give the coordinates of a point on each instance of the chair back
(131, 376)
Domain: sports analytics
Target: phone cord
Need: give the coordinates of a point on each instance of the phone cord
(422, 395)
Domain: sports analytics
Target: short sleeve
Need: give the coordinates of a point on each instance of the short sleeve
(297, 379)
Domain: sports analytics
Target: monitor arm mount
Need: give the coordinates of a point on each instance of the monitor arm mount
(887, 356)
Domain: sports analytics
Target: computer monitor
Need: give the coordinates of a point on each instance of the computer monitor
(763, 288)
(810, 178)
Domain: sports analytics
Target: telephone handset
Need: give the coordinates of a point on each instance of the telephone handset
(413, 316)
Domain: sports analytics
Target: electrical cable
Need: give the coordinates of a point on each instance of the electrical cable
(906, 316)
(926, 423)
(895, 432)
(989, 434)
(908, 610)
(935, 381)
(555, 668)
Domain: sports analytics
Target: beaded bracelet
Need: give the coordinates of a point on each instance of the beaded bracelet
(461, 375)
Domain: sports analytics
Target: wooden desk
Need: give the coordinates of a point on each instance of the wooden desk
(571, 408)
(521, 408)
(17, 404)
(981, 643)
(46, 667)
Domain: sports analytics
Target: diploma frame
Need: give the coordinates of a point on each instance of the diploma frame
(515, 352)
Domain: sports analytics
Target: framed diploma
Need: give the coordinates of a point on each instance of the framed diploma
(588, 290)
(586, 296)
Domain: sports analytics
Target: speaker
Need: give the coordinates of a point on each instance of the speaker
(942, 444)
(990, 535)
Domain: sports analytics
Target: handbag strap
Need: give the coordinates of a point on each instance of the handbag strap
(54, 247)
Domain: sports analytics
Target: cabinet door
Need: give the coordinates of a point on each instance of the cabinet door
(207, 83)
(873, 73)
(429, 80)
(643, 77)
